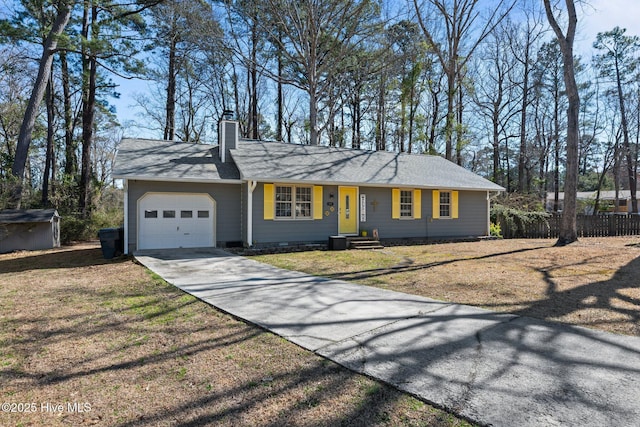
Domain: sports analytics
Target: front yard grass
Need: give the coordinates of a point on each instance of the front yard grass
(593, 283)
(87, 341)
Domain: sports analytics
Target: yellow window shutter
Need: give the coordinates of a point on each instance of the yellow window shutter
(417, 204)
(269, 197)
(454, 204)
(395, 203)
(317, 202)
(436, 204)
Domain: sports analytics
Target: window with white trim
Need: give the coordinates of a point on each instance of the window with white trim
(303, 202)
(445, 204)
(406, 203)
(284, 201)
(293, 202)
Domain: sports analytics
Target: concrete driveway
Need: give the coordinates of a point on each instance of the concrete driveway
(495, 369)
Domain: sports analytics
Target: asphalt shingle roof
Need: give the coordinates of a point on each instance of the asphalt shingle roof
(274, 161)
(19, 216)
(171, 161)
(279, 162)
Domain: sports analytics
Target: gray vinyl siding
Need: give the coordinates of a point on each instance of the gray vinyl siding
(244, 188)
(292, 231)
(228, 206)
(29, 236)
(472, 221)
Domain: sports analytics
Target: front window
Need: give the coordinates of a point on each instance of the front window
(293, 202)
(406, 204)
(303, 202)
(445, 204)
(284, 201)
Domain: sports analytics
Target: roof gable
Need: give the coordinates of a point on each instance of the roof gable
(274, 161)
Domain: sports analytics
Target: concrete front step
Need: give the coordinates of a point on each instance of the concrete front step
(363, 243)
(367, 247)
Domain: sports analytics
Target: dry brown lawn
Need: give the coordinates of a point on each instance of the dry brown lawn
(593, 283)
(86, 341)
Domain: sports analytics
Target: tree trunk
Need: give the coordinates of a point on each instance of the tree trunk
(49, 162)
(313, 116)
(450, 121)
(170, 108)
(556, 145)
(568, 231)
(381, 142)
(522, 157)
(627, 145)
(496, 147)
(459, 129)
(412, 113)
(31, 113)
(89, 65)
(280, 111)
(71, 157)
(255, 134)
(435, 104)
(358, 120)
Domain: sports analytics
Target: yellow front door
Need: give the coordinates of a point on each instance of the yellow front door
(348, 210)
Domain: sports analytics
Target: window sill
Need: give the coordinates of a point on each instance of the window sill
(292, 219)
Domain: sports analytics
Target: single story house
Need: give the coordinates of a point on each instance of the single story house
(587, 199)
(29, 229)
(257, 193)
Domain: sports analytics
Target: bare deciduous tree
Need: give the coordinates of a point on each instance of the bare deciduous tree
(456, 45)
(568, 231)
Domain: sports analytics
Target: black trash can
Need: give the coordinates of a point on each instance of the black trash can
(337, 243)
(111, 242)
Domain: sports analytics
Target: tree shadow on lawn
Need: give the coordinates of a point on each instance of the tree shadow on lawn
(67, 257)
(278, 399)
(289, 395)
(495, 368)
(603, 295)
(294, 398)
(408, 266)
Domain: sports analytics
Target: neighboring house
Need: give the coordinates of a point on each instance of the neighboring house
(256, 193)
(30, 229)
(587, 199)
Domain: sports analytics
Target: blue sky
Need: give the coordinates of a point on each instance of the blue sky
(603, 15)
(593, 17)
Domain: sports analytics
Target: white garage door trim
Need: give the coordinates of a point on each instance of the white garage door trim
(176, 220)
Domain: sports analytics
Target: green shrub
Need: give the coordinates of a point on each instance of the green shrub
(513, 222)
(495, 230)
(108, 212)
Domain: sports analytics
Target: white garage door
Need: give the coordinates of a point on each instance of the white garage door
(176, 221)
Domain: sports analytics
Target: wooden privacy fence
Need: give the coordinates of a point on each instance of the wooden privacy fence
(587, 226)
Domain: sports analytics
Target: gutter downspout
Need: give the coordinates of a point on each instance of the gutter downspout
(488, 213)
(251, 185)
(126, 216)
